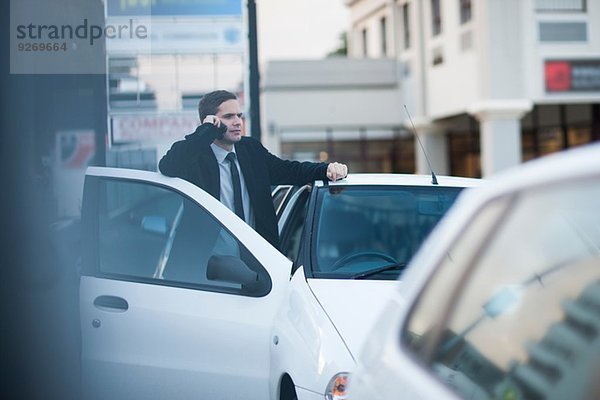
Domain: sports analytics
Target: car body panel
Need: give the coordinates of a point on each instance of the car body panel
(304, 394)
(387, 368)
(180, 342)
(379, 357)
(350, 305)
(308, 346)
(217, 345)
(405, 179)
(167, 339)
(346, 304)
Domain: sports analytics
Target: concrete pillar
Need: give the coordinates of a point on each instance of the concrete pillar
(435, 145)
(500, 133)
(271, 138)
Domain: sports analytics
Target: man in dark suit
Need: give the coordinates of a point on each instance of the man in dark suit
(242, 180)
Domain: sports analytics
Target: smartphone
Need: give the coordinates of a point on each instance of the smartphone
(221, 129)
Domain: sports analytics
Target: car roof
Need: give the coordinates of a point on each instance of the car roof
(405, 180)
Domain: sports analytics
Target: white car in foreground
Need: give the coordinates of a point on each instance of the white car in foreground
(181, 300)
(503, 299)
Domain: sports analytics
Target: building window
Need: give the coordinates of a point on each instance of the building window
(406, 24)
(170, 82)
(466, 40)
(465, 152)
(465, 11)
(391, 152)
(383, 24)
(436, 17)
(563, 32)
(437, 56)
(560, 5)
(127, 90)
(364, 42)
(551, 128)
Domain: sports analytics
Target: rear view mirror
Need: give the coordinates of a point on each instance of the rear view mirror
(230, 269)
(155, 224)
(435, 207)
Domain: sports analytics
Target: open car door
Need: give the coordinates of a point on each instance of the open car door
(177, 294)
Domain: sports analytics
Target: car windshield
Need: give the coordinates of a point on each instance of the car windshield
(371, 232)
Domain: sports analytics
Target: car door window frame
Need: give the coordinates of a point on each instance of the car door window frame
(280, 202)
(305, 251)
(451, 293)
(91, 240)
(299, 203)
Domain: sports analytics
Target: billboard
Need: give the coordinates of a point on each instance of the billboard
(572, 75)
(188, 8)
(183, 37)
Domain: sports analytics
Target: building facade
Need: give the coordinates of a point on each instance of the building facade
(337, 109)
(488, 84)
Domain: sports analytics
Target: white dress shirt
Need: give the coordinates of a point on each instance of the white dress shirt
(226, 192)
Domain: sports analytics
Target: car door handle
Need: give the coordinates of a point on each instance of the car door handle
(111, 303)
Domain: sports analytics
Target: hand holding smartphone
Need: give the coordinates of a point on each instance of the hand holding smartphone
(221, 127)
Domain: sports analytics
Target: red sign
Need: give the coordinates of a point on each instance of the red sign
(572, 75)
(558, 76)
(75, 149)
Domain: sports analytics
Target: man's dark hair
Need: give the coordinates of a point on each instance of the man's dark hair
(209, 103)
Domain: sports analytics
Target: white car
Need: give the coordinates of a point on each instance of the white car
(503, 299)
(181, 300)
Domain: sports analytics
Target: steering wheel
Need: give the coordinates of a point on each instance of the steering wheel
(359, 254)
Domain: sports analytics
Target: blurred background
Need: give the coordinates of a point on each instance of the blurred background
(489, 84)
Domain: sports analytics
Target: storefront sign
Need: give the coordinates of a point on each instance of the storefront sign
(198, 37)
(572, 75)
(187, 8)
(74, 150)
(152, 128)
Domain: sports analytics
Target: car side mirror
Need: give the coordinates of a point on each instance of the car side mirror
(230, 269)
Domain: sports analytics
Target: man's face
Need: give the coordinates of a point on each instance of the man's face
(230, 114)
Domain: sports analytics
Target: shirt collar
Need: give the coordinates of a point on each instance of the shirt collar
(221, 153)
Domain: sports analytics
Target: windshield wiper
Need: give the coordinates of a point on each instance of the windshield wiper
(375, 271)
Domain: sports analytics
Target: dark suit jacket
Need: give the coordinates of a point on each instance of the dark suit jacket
(193, 160)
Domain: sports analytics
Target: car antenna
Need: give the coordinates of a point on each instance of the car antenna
(433, 177)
